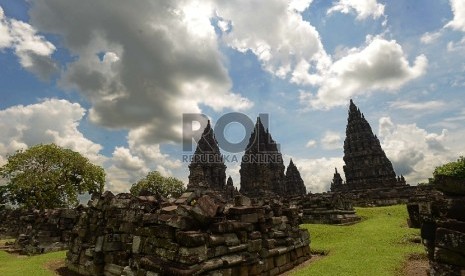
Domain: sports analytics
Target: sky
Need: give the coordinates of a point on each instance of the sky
(112, 79)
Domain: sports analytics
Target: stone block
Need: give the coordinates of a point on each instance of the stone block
(136, 244)
(192, 255)
(254, 245)
(214, 240)
(448, 257)
(231, 239)
(452, 240)
(190, 238)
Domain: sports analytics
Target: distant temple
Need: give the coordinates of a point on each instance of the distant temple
(337, 184)
(294, 183)
(261, 172)
(262, 168)
(366, 164)
(207, 168)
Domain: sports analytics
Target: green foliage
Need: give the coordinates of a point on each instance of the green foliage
(376, 246)
(156, 183)
(454, 169)
(3, 196)
(48, 176)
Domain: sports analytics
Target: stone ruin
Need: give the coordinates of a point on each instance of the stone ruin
(327, 208)
(37, 231)
(370, 177)
(207, 168)
(262, 168)
(294, 183)
(443, 227)
(197, 234)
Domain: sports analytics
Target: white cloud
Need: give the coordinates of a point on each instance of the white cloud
(57, 121)
(318, 173)
(418, 106)
(283, 42)
(380, 65)
(163, 61)
(33, 50)
(311, 144)
(428, 38)
(363, 8)
(50, 121)
(331, 140)
(414, 151)
(458, 9)
(5, 37)
(299, 5)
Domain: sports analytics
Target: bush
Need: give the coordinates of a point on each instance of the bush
(454, 169)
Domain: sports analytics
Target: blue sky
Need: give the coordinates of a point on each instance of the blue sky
(111, 79)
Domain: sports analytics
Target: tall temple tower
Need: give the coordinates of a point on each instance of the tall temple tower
(366, 164)
(262, 168)
(207, 167)
(294, 182)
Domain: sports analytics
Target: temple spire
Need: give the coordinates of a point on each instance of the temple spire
(367, 166)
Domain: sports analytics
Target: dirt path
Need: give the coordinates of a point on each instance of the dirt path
(59, 268)
(416, 265)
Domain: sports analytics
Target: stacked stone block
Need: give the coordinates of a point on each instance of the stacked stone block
(37, 231)
(198, 234)
(443, 228)
(328, 208)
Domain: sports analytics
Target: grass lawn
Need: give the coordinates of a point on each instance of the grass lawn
(376, 246)
(16, 265)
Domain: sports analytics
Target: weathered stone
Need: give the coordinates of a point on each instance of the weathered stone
(450, 185)
(190, 238)
(231, 239)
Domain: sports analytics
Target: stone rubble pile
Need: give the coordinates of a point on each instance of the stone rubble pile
(328, 208)
(37, 231)
(443, 228)
(197, 234)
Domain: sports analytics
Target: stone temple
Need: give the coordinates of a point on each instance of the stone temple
(366, 164)
(207, 168)
(294, 183)
(262, 168)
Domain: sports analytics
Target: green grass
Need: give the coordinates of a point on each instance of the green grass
(376, 246)
(14, 265)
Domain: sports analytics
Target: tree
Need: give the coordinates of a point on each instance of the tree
(455, 169)
(156, 183)
(48, 176)
(3, 197)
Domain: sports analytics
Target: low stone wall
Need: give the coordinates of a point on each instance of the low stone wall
(39, 232)
(381, 196)
(328, 208)
(198, 234)
(443, 229)
(418, 206)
